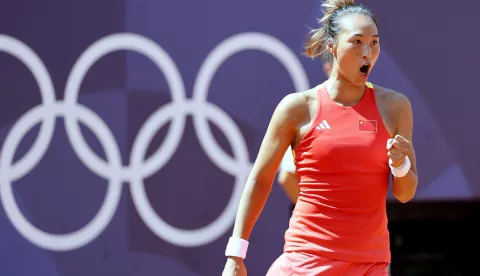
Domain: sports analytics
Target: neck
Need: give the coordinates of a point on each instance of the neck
(342, 91)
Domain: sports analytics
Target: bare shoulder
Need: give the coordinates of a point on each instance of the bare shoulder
(393, 100)
(293, 102)
(294, 107)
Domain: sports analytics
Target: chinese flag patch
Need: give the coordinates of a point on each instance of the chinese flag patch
(367, 125)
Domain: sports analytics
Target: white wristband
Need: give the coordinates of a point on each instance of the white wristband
(403, 169)
(236, 247)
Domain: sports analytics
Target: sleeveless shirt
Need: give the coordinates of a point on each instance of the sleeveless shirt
(343, 172)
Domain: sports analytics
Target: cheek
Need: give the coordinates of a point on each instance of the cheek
(376, 52)
(347, 54)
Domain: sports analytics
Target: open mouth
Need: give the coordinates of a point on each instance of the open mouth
(364, 69)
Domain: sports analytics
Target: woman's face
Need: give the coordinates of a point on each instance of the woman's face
(357, 48)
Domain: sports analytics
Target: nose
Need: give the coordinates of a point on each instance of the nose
(366, 51)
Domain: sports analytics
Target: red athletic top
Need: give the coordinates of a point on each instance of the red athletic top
(343, 170)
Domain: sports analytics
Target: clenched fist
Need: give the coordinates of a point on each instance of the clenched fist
(398, 148)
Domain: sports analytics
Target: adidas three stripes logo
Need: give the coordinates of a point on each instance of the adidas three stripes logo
(323, 125)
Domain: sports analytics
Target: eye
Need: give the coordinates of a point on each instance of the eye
(375, 42)
(356, 41)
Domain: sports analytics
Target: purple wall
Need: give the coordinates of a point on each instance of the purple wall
(141, 170)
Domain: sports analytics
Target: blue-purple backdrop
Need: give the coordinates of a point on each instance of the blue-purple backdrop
(179, 119)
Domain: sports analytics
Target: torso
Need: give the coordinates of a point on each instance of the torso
(343, 171)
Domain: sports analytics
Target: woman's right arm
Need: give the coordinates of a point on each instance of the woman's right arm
(280, 134)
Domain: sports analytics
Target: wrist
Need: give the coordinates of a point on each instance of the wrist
(235, 259)
(403, 169)
(236, 248)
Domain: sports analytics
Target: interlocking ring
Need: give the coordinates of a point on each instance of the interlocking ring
(138, 168)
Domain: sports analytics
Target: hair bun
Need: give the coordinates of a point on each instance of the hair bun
(331, 6)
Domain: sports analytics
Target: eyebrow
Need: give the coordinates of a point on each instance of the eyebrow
(362, 35)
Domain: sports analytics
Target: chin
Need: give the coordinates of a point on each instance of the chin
(359, 82)
(362, 80)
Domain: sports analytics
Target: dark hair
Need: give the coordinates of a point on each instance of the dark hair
(333, 11)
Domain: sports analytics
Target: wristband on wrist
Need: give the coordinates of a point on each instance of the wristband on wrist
(403, 169)
(236, 247)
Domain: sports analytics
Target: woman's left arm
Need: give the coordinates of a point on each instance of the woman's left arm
(400, 147)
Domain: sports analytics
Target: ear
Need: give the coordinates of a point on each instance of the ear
(332, 47)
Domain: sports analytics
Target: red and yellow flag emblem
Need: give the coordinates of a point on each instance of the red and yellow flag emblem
(367, 125)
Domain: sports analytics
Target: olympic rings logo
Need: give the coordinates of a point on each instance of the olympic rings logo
(139, 168)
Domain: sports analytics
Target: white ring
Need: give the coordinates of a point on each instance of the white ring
(30, 59)
(36, 236)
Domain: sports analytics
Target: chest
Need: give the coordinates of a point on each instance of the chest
(348, 141)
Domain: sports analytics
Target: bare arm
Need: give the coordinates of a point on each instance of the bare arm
(404, 188)
(289, 183)
(287, 176)
(279, 135)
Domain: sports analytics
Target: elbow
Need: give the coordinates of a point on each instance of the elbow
(404, 197)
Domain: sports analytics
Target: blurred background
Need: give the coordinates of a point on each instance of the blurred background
(127, 129)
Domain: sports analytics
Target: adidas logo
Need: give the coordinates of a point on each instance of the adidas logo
(323, 125)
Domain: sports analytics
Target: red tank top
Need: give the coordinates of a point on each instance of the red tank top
(343, 172)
